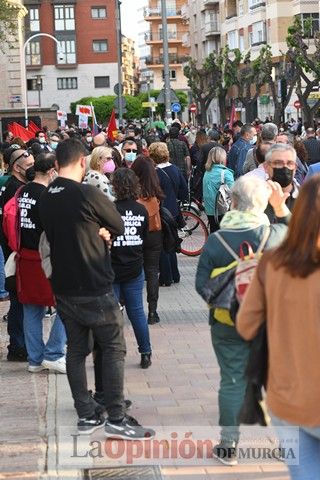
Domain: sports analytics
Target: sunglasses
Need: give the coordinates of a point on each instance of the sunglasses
(128, 150)
(23, 155)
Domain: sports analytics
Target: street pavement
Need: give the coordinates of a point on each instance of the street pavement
(178, 396)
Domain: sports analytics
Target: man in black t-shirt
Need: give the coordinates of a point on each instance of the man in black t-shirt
(21, 168)
(72, 214)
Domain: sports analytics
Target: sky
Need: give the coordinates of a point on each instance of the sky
(129, 17)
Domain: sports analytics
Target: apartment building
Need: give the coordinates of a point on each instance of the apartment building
(129, 67)
(10, 85)
(86, 30)
(179, 51)
(250, 24)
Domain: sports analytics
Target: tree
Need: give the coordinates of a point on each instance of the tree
(8, 20)
(203, 92)
(307, 64)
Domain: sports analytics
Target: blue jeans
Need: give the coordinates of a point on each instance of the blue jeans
(15, 323)
(33, 332)
(131, 292)
(309, 449)
(3, 292)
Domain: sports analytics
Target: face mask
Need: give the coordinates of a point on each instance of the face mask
(130, 156)
(254, 140)
(283, 176)
(30, 174)
(42, 140)
(109, 166)
(54, 145)
(89, 139)
(53, 176)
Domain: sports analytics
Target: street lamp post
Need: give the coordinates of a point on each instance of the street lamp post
(23, 69)
(167, 89)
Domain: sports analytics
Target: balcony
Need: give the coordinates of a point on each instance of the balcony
(155, 13)
(209, 3)
(185, 12)
(186, 40)
(173, 60)
(157, 37)
(212, 28)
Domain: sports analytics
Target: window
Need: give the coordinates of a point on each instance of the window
(100, 46)
(310, 22)
(101, 82)
(172, 73)
(256, 3)
(233, 39)
(67, 83)
(241, 42)
(32, 84)
(98, 12)
(34, 20)
(64, 17)
(33, 56)
(258, 33)
(240, 8)
(69, 52)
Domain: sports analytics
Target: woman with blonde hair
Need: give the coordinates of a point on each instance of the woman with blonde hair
(101, 164)
(216, 174)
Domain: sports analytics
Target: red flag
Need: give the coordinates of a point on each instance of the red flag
(112, 127)
(232, 115)
(33, 128)
(19, 131)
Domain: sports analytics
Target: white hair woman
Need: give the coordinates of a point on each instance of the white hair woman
(101, 164)
(245, 222)
(216, 174)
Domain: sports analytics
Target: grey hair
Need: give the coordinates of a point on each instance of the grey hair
(269, 131)
(289, 136)
(214, 135)
(250, 194)
(280, 147)
(246, 128)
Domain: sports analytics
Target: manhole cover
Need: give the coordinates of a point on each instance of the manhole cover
(124, 473)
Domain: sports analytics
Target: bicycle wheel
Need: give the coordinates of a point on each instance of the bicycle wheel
(194, 235)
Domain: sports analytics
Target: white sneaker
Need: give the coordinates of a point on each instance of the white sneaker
(58, 366)
(36, 368)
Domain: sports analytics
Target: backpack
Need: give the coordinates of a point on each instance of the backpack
(223, 199)
(170, 237)
(227, 285)
(11, 222)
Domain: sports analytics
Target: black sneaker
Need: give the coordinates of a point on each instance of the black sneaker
(18, 355)
(145, 360)
(226, 453)
(153, 318)
(99, 398)
(128, 429)
(89, 425)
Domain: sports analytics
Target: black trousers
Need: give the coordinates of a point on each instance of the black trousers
(213, 224)
(151, 259)
(100, 316)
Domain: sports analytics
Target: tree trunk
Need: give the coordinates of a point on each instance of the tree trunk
(222, 108)
(203, 111)
(278, 113)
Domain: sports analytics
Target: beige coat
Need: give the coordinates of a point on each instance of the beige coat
(291, 308)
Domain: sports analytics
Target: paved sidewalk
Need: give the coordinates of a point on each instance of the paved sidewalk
(177, 394)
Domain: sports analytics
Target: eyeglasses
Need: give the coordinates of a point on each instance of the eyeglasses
(128, 150)
(291, 164)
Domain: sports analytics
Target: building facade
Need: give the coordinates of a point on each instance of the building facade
(250, 24)
(86, 30)
(178, 50)
(10, 73)
(129, 67)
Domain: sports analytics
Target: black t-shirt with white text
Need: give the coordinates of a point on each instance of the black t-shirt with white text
(30, 223)
(127, 249)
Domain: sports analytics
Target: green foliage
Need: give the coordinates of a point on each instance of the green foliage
(103, 105)
(8, 20)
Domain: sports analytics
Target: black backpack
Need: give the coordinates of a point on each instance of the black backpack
(171, 240)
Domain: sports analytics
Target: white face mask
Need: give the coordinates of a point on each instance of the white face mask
(89, 139)
(254, 140)
(42, 140)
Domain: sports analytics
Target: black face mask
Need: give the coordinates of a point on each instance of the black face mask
(283, 176)
(30, 174)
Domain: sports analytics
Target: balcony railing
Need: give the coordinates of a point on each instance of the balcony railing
(156, 12)
(209, 3)
(212, 27)
(158, 36)
(173, 59)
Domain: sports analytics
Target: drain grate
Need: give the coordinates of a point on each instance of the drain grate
(124, 473)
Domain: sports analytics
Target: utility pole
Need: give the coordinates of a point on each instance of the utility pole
(119, 42)
(167, 90)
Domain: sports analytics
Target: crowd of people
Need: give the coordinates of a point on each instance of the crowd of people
(89, 236)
